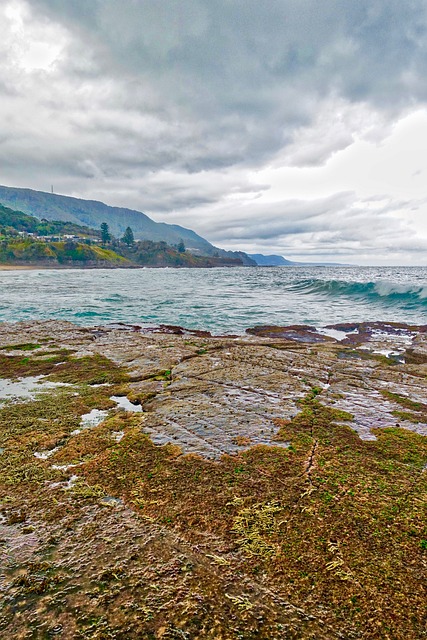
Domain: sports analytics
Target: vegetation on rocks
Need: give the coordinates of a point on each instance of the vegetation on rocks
(107, 535)
(31, 252)
(12, 222)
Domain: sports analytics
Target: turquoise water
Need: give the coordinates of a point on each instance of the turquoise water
(219, 300)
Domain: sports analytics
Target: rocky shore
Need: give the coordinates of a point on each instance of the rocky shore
(166, 483)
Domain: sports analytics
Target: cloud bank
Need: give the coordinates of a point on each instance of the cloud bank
(233, 117)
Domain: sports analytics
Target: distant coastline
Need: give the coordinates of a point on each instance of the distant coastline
(94, 267)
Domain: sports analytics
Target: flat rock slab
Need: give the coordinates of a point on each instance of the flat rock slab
(216, 395)
(105, 535)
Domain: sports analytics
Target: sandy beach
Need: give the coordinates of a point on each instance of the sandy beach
(21, 267)
(39, 267)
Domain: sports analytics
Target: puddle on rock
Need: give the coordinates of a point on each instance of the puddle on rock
(92, 419)
(333, 333)
(372, 411)
(68, 484)
(96, 416)
(71, 482)
(124, 403)
(25, 388)
(64, 467)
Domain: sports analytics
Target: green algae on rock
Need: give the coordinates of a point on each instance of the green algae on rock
(281, 501)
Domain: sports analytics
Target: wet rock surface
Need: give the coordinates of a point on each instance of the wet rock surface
(208, 393)
(199, 493)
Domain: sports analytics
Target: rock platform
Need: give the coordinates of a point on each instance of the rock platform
(221, 394)
(164, 483)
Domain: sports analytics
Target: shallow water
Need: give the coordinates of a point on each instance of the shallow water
(220, 300)
(93, 418)
(124, 403)
(25, 388)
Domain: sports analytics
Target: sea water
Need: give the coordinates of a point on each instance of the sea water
(224, 300)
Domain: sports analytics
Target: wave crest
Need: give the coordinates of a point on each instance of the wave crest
(391, 294)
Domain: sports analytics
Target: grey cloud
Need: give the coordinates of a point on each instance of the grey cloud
(167, 107)
(338, 224)
(241, 76)
(229, 83)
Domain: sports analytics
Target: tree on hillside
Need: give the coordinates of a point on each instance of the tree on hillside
(128, 237)
(181, 246)
(105, 233)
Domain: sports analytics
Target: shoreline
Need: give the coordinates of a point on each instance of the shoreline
(30, 267)
(38, 267)
(14, 267)
(57, 267)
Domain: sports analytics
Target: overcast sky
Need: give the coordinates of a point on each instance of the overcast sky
(295, 127)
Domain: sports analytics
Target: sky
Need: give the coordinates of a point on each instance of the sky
(290, 127)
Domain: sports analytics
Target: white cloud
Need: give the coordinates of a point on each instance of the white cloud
(30, 45)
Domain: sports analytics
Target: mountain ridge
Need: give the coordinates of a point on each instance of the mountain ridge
(92, 213)
(279, 261)
(270, 260)
(27, 241)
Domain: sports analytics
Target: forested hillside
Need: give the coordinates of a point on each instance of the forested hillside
(25, 240)
(91, 213)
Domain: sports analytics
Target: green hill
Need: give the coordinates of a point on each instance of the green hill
(39, 253)
(270, 261)
(25, 240)
(16, 220)
(92, 213)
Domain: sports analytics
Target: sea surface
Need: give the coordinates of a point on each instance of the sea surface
(225, 300)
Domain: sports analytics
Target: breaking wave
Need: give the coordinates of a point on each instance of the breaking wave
(389, 294)
(221, 300)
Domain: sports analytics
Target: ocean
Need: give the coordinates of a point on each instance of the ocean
(225, 300)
